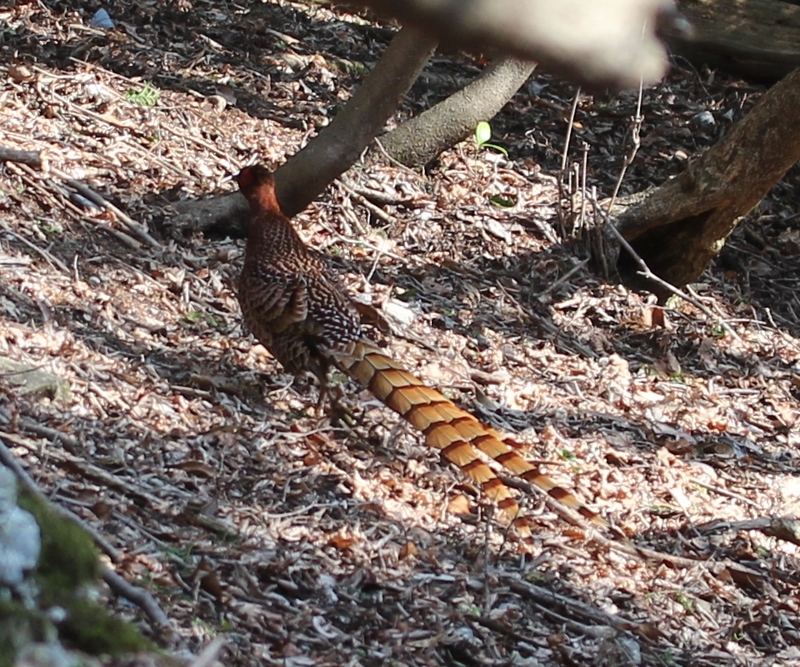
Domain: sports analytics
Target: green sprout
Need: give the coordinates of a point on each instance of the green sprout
(502, 202)
(146, 96)
(483, 133)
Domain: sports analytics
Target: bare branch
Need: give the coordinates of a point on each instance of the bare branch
(423, 137)
(31, 158)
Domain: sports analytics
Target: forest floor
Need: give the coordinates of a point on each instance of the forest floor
(305, 540)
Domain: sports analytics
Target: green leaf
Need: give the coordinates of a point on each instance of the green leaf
(146, 96)
(483, 132)
(499, 149)
(502, 202)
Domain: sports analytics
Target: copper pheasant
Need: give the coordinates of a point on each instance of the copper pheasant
(299, 310)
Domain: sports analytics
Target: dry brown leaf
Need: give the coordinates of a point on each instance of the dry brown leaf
(408, 550)
(459, 504)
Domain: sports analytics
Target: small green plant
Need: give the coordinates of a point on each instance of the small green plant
(718, 331)
(182, 553)
(350, 67)
(49, 229)
(146, 96)
(502, 202)
(534, 577)
(469, 609)
(675, 302)
(668, 658)
(678, 377)
(409, 294)
(483, 133)
(684, 601)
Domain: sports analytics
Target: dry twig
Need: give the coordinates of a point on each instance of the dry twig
(647, 273)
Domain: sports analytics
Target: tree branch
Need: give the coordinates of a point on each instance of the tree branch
(420, 139)
(337, 147)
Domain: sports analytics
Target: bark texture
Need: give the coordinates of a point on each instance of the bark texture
(419, 140)
(682, 225)
(755, 38)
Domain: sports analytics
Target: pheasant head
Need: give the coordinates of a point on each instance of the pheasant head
(258, 186)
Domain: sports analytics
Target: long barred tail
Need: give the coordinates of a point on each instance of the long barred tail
(448, 428)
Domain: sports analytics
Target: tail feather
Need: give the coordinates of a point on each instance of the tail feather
(458, 434)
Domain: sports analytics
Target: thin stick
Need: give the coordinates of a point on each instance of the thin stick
(31, 158)
(647, 273)
(137, 228)
(394, 161)
(636, 141)
(564, 157)
(30, 177)
(786, 528)
(54, 262)
(208, 657)
(140, 597)
(563, 279)
(366, 203)
(568, 138)
(584, 171)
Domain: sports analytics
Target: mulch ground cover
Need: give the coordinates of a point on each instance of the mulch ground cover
(308, 539)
